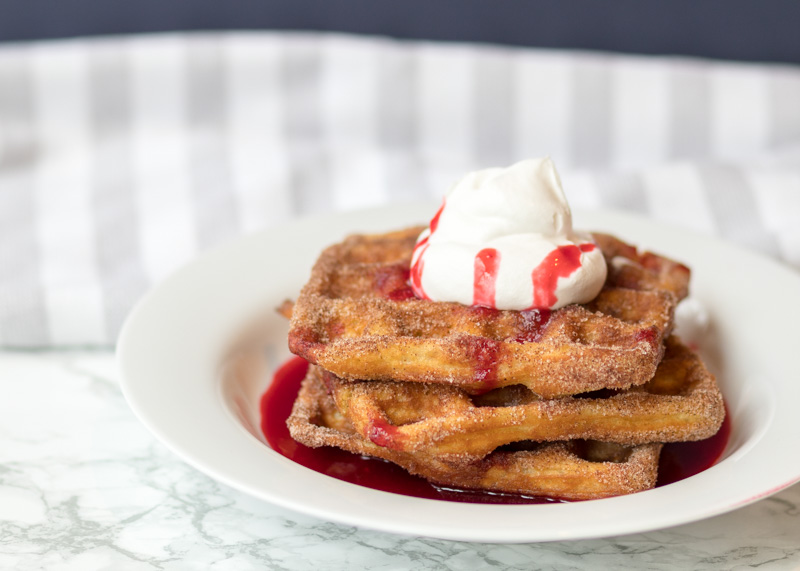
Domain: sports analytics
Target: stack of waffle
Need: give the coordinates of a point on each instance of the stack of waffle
(574, 403)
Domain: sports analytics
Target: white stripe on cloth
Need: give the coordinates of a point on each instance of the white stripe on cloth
(115, 217)
(350, 116)
(675, 194)
(446, 105)
(258, 155)
(209, 170)
(542, 105)
(397, 81)
(581, 189)
(301, 77)
(160, 155)
(72, 286)
(739, 104)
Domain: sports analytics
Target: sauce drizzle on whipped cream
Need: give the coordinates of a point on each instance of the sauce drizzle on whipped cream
(417, 257)
(503, 238)
(487, 264)
(560, 263)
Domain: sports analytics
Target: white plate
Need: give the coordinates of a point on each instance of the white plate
(173, 344)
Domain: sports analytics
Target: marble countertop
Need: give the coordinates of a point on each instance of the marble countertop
(84, 486)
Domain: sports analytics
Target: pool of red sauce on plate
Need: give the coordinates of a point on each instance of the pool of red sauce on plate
(678, 460)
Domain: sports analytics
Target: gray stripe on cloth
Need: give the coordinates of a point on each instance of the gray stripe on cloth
(215, 208)
(309, 181)
(397, 121)
(591, 113)
(784, 107)
(114, 209)
(23, 317)
(621, 190)
(493, 83)
(690, 109)
(734, 207)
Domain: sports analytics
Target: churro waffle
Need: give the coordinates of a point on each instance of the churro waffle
(575, 470)
(358, 318)
(680, 403)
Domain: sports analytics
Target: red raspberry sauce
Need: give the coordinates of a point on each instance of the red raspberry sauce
(678, 461)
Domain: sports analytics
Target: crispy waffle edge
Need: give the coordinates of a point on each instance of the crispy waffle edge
(551, 469)
(681, 403)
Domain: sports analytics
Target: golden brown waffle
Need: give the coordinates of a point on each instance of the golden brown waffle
(680, 403)
(576, 470)
(358, 318)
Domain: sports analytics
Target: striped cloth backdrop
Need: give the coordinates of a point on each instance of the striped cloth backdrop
(121, 159)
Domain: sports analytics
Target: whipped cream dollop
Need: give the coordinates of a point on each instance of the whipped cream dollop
(503, 238)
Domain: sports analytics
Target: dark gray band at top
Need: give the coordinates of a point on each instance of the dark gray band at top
(725, 29)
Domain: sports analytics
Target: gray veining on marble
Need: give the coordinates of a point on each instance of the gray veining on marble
(84, 486)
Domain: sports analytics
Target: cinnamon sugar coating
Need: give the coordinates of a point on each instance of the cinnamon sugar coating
(576, 470)
(357, 318)
(681, 402)
(571, 404)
